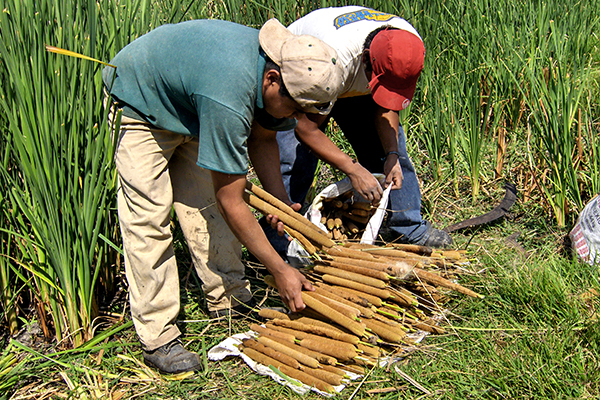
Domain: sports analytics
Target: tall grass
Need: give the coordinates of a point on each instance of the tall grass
(59, 167)
(484, 75)
(553, 130)
(63, 156)
(458, 97)
(433, 121)
(7, 276)
(555, 99)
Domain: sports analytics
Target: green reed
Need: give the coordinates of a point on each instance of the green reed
(553, 138)
(557, 86)
(61, 175)
(479, 71)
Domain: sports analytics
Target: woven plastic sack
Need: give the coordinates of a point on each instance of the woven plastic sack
(298, 256)
(585, 235)
(341, 187)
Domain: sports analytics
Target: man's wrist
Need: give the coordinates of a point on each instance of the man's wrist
(389, 153)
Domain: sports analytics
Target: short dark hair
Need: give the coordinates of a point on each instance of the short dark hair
(270, 64)
(369, 40)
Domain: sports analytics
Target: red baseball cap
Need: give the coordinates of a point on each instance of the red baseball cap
(397, 57)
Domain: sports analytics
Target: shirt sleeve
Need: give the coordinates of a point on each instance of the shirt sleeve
(222, 138)
(267, 121)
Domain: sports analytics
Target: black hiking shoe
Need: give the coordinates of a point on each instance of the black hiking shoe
(238, 312)
(436, 238)
(172, 358)
(432, 237)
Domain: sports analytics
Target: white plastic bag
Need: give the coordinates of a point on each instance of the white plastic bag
(585, 235)
(298, 256)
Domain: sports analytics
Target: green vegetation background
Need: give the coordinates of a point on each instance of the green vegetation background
(509, 93)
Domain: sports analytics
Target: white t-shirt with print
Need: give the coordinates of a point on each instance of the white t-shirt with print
(345, 29)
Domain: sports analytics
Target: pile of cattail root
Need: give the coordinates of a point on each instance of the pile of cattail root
(370, 302)
(344, 218)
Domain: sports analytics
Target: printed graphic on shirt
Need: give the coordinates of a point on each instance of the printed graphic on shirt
(365, 14)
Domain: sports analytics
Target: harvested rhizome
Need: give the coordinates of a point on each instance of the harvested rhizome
(372, 304)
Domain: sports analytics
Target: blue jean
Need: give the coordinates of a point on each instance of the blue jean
(298, 165)
(355, 116)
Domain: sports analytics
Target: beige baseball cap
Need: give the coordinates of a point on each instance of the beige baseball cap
(309, 66)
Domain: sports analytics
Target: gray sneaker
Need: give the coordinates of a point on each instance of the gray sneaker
(172, 358)
(437, 238)
(431, 238)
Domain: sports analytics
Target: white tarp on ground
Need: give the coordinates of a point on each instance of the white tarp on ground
(229, 348)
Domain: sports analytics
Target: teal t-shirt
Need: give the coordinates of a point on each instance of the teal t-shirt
(201, 78)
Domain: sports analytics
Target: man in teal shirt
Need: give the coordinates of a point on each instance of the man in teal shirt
(200, 99)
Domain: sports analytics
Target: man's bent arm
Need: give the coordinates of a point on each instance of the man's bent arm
(362, 180)
(228, 192)
(263, 151)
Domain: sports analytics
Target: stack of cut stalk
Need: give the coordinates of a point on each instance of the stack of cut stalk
(369, 301)
(345, 218)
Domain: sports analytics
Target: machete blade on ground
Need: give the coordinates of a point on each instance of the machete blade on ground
(500, 211)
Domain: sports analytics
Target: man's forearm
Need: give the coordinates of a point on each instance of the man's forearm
(263, 151)
(229, 191)
(387, 123)
(311, 136)
(245, 227)
(362, 180)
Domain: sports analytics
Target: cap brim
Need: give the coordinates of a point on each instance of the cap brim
(271, 37)
(322, 110)
(392, 99)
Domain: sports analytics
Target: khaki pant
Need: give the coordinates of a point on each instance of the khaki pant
(157, 172)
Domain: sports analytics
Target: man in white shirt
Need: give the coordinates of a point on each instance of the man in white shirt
(382, 57)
